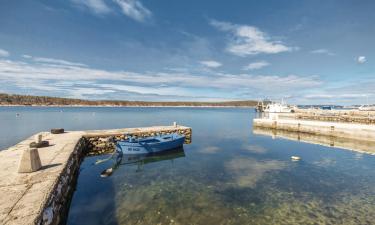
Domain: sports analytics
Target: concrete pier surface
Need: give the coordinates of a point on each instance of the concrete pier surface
(364, 132)
(37, 197)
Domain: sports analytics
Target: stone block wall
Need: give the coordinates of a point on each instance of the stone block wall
(102, 144)
(57, 205)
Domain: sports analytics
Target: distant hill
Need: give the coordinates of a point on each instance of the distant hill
(27, 100)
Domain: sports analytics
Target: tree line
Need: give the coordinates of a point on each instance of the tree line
(29, 100)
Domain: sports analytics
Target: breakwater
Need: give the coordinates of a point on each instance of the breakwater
(343, 116)
(288, 122)
(43, 196)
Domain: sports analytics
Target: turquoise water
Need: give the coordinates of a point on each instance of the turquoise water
(227, 175)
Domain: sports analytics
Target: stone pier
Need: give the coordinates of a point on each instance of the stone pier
(356, 131)
(42, 197)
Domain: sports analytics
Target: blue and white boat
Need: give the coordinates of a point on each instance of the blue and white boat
(150, 144)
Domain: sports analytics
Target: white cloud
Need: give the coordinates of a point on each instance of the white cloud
(131, 8)
(97, 6)
(3, 53)
(335, 96)
(52, 61)
(249, 40)
(322, 51)
(256, 65)
(211, 63)
(134, 9)
(64, 77)
(361, 59)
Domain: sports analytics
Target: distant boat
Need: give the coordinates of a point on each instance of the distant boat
(367, 108)
(151, 144)
(277, 107)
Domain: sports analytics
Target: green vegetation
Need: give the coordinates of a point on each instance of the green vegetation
(7, 99)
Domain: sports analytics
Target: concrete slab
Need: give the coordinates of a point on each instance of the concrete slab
(23, 196)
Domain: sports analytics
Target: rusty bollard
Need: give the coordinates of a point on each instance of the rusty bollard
(39, 143)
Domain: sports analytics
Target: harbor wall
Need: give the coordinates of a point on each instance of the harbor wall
(344, 130)
(43, 197)
(102, 144)
(56, 207)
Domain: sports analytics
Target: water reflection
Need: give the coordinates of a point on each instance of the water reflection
(247, 171)
(140, 160)
(228, 175)
(349, 144)
(209, 150)
(255, 148)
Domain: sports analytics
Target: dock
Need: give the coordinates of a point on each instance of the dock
(42, 197)
(353, 125)
(344, 130)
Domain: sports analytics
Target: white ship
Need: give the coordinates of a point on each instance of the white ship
(367, 108)
(276, 107)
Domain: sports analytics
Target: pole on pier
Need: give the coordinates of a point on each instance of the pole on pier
(30, 161)
(38, 138)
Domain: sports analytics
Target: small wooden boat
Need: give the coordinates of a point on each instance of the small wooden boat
(150, 144)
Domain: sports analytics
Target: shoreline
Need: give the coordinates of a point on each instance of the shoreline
(124, 106)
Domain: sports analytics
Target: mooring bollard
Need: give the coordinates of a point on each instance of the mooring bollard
(57, 131)
(39, 143)
(38, 138)
(30, 161)
(175, 124)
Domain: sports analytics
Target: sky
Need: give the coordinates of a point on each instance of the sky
(305, 52)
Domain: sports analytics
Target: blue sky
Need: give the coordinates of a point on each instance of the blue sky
(306, 52)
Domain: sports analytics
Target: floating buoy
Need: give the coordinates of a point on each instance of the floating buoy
(107, 172)
(295, 158)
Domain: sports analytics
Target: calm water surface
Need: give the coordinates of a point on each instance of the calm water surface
(227, 175)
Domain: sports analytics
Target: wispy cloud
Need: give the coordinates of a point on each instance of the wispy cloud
(361, 59)
(52, 61)
(249, 40)
(211, 63)
(322, 51)
(4, 53)
(96, 6)
(131, 8)
(69, 78)
(134, 9)
(256, 65)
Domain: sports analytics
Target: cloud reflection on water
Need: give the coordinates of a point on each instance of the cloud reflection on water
(248, 171)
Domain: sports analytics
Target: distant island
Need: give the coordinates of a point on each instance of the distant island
(27, 100)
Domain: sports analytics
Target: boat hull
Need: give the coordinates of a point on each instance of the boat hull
(148, 146)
